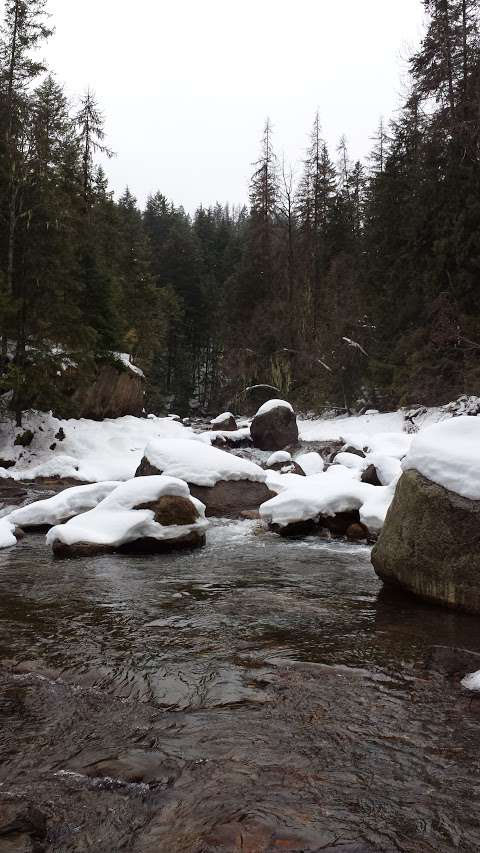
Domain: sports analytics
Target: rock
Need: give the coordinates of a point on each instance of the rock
(227, 498)
(370, 476)
(224, 423)
(250, 514)
(225, 483)
(24, 439)
(60, 435)
(7, 463)
(274, 427)
(357, 531)
(347, 448)
(256, 396)
(430, 544)
(114, 391)
(168, 510)
(452, 661)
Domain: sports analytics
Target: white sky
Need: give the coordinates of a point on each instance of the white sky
(186, 85)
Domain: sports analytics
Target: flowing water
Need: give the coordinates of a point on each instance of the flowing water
(257, 695)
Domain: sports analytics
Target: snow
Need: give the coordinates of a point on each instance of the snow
(92, 451)
(63, 506)
(115, 521)
(124, 357)
(351, 460)
(198, 463)
(336, 490)
(471, 681)
(220, 419)
(279, 458)
(449, 454)
(273, 404)
(235, 435)
(7, 538)
(390, 444)
(337, 429)
(310, 463)
(388, 468)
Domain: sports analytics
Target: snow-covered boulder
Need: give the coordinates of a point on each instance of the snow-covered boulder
(224, 422)
(430, 544)
(61, 507)
(282, 461)
(147, 515)
(274, 427)
(334, 500)
(226, 484)
(310, 463)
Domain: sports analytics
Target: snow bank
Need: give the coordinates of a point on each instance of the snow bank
(7, 538)
(198, 463)
(92, 451)
(449, 454)
(115, 521)
(347, 428)
(273, 404)
(63, 506)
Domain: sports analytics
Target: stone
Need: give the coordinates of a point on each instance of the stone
(370, 476)
(357, 531)
(452, 661)
(114, 391)
(24, 439)
(347, 448)
(7, 463)
(274, 429)
(224, 423)
(168, 510)
(430, 544)
(226, 499)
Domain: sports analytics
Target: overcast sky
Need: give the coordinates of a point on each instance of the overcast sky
(186, 85)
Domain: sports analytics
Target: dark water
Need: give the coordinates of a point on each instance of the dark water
(257, 695)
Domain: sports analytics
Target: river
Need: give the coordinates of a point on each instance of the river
(257, 695)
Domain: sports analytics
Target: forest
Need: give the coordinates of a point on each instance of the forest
(343, 284)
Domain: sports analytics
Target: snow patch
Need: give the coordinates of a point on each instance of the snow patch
(449, 454)
(199, 463)
(273, 404)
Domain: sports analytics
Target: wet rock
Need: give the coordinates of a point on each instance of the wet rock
(452, 661)
(357, 531)
(7, 463)
(370, 476)
(143, 546)
(275, 428)
(23, 828)
(251, 514)
(134, 765)
(430, 544)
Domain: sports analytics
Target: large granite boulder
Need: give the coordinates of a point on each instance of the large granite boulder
(147, 516)
(274, 427)
(226, 484)
(430, 543)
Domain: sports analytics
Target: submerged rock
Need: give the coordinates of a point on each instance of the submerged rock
(430, 543)
(274, 427)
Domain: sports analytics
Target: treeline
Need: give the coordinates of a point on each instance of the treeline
(345, 283)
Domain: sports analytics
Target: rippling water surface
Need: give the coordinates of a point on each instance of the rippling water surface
(256, 695)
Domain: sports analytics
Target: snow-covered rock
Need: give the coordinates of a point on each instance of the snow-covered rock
(279, 458)
(430, 543)
(225, 483)
(61, 507)
(224, 422)
(144, 515)
(448, 454)
(7, 533)
(274, 427)
(310, 463)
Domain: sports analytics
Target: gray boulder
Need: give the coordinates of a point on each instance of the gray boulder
(274, 427)
(430, 544)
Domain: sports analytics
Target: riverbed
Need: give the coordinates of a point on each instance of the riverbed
(257, 695)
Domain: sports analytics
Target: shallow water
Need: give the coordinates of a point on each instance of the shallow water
(256, 695)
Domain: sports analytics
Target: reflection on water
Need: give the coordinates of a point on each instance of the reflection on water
(257, 694)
